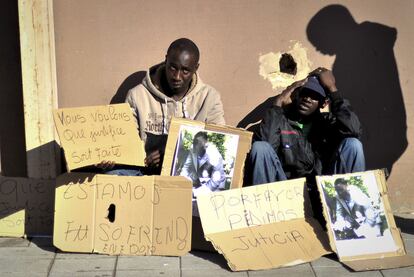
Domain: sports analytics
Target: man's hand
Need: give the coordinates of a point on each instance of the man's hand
(341, 225)
(285, 98)
(153, 159)
(326, 78)
(105, 165)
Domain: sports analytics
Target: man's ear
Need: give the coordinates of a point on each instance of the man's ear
(196, 68)
(324, 103)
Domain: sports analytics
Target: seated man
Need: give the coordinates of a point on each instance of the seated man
(204, 166)
(170, 89)
(296, 140)
(354, 214)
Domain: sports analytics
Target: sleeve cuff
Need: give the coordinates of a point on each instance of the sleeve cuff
(337, 95)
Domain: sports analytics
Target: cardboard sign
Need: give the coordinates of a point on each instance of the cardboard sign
(360, 223)
(149, 215)
(230, 147)
(26, 206)
(90, 135)
(262, 227)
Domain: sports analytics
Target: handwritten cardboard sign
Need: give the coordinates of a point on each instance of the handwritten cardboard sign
(360, 223)
(149, 215)
(262, 227)
(26, 206)
(90, 135)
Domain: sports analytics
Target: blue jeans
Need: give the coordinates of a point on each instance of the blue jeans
(125, 172)
(348, 158)
(267, 168)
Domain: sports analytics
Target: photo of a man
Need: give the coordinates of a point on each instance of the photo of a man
(354, 215)
(354, 206)
(206, 158)
(204, 165)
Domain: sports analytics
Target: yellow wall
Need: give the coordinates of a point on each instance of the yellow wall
(101, 46)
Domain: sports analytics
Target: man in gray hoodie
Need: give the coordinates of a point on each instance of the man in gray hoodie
(172, 88)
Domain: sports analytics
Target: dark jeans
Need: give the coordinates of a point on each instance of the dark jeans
(267, 168)
(134, 171)
(125, 172)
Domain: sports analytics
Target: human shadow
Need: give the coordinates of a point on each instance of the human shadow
(251, 122)
(366, 73)
(215, 258)
(405, 224)
(130, 82)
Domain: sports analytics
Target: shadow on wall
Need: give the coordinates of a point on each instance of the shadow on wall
(131, 81)
(366, 73)
(12, 140)
(27, 205)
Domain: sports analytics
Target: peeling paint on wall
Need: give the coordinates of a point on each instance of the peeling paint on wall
(270, 70)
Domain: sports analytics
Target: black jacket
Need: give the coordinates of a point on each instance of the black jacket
(302, 156)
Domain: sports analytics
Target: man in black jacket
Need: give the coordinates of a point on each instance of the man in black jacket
(296, 140)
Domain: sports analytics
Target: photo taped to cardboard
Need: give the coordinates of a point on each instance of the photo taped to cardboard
(356, 215)
(205, 157)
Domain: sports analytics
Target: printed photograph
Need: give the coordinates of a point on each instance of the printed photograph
(206, 158)
(356, 214)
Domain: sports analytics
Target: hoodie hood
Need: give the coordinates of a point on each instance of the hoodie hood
(153, 109)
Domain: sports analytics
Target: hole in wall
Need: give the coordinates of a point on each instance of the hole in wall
(287, 64)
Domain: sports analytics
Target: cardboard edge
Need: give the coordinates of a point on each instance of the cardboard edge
(221, 252)
(380, 263)
(326, 216)
(93, 106)
(173, 181)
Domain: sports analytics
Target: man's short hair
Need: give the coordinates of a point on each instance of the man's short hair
(201, 134)
(341, 181)
(185, 44)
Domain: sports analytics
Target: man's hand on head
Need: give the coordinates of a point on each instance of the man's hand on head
(326, 79)
(285, 98)
(153, 159)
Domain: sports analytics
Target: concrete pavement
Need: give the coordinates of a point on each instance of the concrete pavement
(37, 257)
